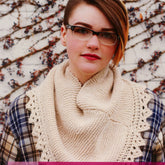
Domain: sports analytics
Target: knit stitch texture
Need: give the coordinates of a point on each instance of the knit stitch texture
(100, 121)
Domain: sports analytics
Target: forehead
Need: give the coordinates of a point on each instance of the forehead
(90, 15)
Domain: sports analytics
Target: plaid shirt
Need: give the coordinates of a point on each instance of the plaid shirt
(18, 144)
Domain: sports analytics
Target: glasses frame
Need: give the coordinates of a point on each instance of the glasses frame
(72, 27)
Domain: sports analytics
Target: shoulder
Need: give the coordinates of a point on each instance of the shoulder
(157, 127)
(18, 141)
(157, 117)
(18, 106)
(18, 115)
(156, 106)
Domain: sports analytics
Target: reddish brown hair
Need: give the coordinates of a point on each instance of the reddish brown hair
(116, 13)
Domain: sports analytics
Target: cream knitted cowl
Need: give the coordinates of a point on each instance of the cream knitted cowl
(99, 121)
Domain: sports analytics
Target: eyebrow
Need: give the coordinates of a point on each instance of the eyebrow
(90, 26)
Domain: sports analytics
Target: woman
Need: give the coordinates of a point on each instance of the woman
(84, 110)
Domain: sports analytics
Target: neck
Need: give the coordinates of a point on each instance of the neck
(81, 76)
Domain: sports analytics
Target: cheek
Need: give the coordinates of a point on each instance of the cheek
(73, 46)
(72, 49)
(109, 52)
(70, 42)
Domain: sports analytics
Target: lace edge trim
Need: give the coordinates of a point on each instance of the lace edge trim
(139, 124)
(37, 132)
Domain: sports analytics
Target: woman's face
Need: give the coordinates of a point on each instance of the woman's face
(87, 58)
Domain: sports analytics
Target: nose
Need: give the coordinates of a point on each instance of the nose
(93, 43)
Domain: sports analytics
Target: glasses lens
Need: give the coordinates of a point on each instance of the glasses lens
(82, 33)
(108, 38)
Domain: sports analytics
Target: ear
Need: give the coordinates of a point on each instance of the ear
(63, 35)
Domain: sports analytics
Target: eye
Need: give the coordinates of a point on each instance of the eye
(81, 30)
(108, 35)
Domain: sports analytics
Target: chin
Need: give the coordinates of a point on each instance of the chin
(90, 70)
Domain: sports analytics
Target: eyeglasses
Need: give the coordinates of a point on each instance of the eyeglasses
(84, 34)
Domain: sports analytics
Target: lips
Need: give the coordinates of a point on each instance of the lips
(91, 56)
